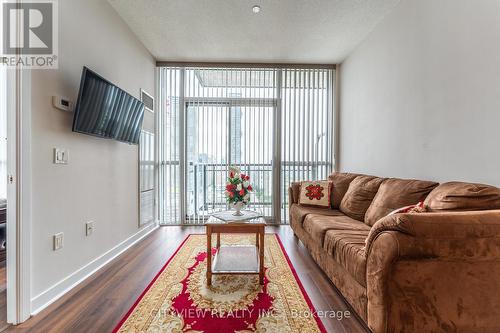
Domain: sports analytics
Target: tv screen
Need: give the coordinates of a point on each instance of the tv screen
(106, 111)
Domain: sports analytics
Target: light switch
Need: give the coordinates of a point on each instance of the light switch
(58, 241)
(89, 228)
(61, 156)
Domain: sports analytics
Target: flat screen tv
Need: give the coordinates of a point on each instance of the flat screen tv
(106, 111)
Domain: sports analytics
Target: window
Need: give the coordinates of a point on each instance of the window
(274, 123)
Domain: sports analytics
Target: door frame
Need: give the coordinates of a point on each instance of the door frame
(18, 195)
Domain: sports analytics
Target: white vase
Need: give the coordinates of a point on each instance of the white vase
(238, 207)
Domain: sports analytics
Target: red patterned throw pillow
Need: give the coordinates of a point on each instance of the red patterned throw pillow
(418, 208)
(315, 193)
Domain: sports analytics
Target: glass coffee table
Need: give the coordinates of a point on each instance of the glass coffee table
(235, 259)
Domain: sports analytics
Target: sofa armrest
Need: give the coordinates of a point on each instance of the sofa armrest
(293, 193)
(451, 228)
(417, 262)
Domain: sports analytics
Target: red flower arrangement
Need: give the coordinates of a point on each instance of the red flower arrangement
(238, 187)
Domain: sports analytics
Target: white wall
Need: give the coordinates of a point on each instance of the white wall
(420, 97)
(100, 183)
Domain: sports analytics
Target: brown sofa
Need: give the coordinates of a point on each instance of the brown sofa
(437, 271)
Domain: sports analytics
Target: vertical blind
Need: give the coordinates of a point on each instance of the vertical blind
(275, 124)
(146, 177)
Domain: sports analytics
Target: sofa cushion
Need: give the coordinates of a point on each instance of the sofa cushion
(463, 196)
(395, 193)
(341, 181)
(317, 225)
(359, 196)
(299, 212)
(348, 249)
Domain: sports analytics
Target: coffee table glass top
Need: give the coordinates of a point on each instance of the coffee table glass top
(249, 216)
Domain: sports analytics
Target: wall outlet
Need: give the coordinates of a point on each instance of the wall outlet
(58, 241)
(89, 228)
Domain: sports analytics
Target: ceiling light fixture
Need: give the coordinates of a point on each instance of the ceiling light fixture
(256, 9)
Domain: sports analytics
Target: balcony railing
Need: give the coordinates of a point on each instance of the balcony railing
(206, 186)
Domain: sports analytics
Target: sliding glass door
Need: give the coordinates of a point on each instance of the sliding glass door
(275, 124)
(219, 135)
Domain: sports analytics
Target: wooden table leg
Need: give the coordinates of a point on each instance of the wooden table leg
(261, 256)
(218, 241)
(209, 256)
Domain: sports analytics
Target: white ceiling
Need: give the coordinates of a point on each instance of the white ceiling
(285, 31)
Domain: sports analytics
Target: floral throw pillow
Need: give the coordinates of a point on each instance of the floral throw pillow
(315, 193)
(418, 208)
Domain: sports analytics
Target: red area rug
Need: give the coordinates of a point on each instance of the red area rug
(178, 299)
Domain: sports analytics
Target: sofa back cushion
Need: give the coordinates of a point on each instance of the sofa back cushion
(359, 196)
(340, 184)
(396, 193)
(463, 196)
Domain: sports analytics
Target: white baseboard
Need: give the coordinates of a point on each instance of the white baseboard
(44, 299)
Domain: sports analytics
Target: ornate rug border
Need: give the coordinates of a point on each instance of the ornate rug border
(290, 265)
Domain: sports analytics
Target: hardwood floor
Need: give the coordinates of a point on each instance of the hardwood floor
(99, 303)
(3, 275)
